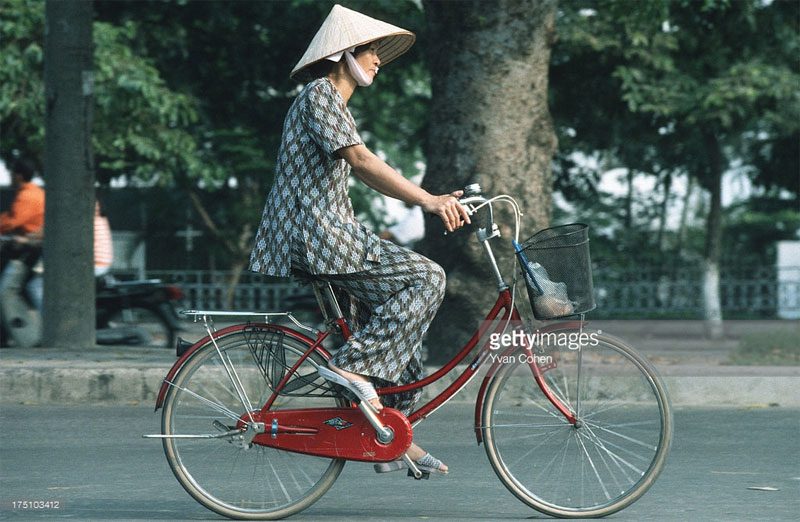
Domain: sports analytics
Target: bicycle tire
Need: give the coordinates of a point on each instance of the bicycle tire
(609, 460)
(254, 482)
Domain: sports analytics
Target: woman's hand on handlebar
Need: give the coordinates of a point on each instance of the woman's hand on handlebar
(448, 208)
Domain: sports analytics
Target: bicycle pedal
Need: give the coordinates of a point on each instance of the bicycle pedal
(425, 475)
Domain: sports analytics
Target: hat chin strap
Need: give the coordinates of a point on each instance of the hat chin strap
(361, 77)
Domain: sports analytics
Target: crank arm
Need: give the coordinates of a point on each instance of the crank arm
(385, 434)
(413, 470)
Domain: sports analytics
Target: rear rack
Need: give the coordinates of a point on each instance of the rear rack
(205, 315)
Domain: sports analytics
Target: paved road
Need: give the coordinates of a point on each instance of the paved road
(94, 462)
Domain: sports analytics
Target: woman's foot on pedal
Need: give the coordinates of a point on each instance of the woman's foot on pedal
(358, 384)
(427, 464)
(424, 461)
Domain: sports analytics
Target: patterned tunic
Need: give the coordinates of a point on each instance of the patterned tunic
(308, 227)
(309, 200)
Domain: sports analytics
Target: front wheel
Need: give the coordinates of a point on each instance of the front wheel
(603, 462)
(217, 386)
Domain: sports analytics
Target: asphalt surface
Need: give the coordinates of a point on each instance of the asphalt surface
(92, 462)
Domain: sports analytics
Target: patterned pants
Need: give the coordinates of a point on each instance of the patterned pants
(391, 307)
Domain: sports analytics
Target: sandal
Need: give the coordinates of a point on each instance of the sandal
(364, 391)
(427, 464)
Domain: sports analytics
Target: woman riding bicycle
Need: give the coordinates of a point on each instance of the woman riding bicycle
(308, 227)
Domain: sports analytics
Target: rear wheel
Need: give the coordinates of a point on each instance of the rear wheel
(232, 478)
(601, 464)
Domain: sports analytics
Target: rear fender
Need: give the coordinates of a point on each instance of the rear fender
(162, 392)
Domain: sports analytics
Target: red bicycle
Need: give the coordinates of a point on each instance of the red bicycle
(575, 423)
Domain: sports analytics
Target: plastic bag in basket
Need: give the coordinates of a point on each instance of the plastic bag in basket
(553, 300)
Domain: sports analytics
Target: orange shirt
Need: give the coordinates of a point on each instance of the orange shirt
(27, 211)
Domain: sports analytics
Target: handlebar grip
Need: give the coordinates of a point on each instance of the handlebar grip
(473, 189)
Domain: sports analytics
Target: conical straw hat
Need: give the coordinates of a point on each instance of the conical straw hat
(345, 28)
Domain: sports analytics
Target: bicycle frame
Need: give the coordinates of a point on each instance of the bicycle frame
(503, 312)
(500, 313)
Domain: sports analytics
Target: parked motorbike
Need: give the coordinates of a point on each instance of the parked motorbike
(139, 312)
(19, 319)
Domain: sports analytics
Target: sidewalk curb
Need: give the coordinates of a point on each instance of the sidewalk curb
(110, 386)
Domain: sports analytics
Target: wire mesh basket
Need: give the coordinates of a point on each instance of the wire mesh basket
(557, 270)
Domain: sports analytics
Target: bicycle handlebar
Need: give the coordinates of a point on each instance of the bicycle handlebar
(473, 200)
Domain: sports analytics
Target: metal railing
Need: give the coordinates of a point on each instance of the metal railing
(755, 293)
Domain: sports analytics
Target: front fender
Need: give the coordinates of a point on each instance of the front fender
(165, 384)
(497, 364)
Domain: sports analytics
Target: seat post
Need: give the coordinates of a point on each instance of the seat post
(325, 298)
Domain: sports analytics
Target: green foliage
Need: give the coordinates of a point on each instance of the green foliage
(143, 129)
(192, 95)
(654, 88)
(21, 86)
(754, 226)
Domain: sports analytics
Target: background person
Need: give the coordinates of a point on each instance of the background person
(26, 215)
(24, 223)
(103, 242)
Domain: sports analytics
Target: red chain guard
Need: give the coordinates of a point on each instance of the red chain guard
(339, 433)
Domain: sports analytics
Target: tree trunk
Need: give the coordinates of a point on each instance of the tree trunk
(237, 268)
(663, 214)
(240, 249)
(628, 223)
(712, 302)
(687, 199)
(489, 124)
(69, 305)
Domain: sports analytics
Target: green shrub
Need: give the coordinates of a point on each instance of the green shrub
(781, 347)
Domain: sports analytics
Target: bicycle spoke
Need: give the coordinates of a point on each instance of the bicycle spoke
(212, 404)
(280, 482)
(535, 426)
(578, 383)
(546, 468)
(627, 438)
(534, 449)
(630, 452)
(594, 468)
(618, 459)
